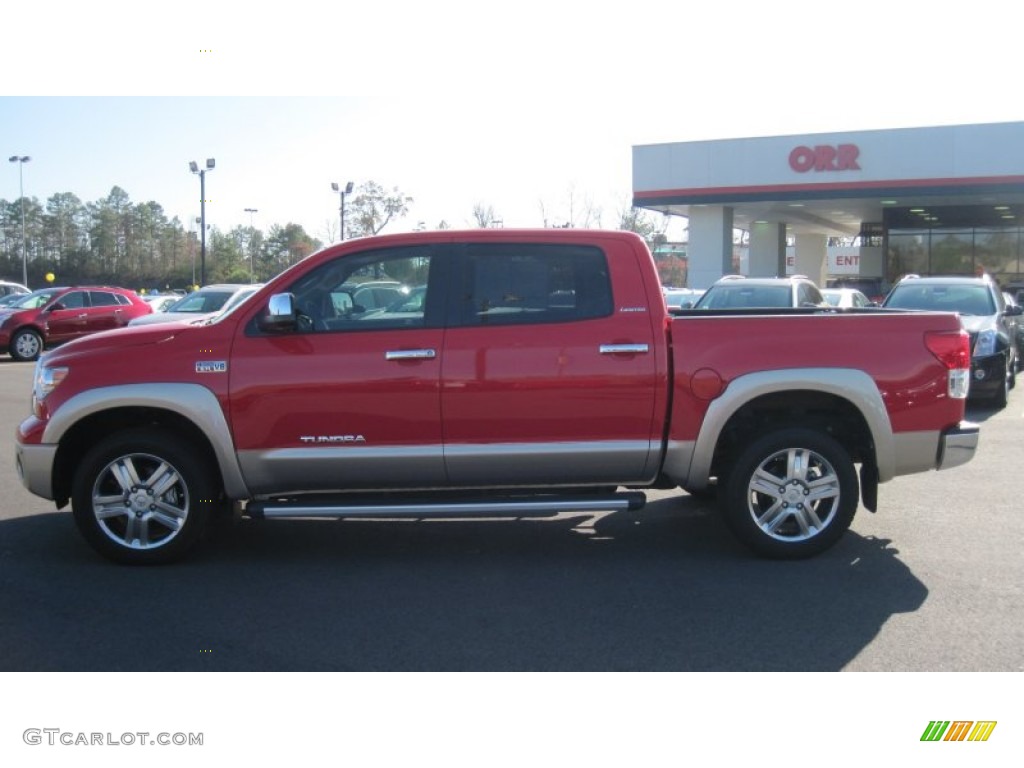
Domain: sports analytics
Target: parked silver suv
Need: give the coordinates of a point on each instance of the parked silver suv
(739, 292)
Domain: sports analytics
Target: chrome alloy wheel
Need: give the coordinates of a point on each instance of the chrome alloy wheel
(140, 501)
(793, 495)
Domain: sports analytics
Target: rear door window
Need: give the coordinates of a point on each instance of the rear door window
(505, 284)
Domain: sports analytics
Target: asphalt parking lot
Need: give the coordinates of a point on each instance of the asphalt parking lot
(933, 582)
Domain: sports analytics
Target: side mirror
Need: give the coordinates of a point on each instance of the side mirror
(1014, 311)
(55, 306)
(280, 315)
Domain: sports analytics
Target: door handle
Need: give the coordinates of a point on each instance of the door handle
(623, 349)
(410, 354)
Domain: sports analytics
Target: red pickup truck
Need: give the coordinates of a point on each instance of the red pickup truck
(485, 373)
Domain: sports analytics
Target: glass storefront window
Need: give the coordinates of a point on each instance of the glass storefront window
(955, 252)
(952, 252)
(997, 250)
(907, 254)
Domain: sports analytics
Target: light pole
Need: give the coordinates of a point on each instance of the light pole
(346, 191)
(21, 189)
(252, 274)
(193, 286)
(201, 172)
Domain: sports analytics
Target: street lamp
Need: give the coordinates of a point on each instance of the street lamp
(251, 211)
(346, 191)
(193, 249)
(201, 172)
(21, 188)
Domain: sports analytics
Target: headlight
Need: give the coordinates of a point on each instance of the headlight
(46, 380)
(986, 344)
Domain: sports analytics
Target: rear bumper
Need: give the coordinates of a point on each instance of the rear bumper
(957, 445)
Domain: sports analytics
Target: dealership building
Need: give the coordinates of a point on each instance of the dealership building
(938, 200)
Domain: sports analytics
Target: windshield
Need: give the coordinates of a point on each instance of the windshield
(946, 297)
(201, 301)
(34, 300)
(237, 300)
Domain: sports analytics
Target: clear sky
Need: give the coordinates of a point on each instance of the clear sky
(531, 109)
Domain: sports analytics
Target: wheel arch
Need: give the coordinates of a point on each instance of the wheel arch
(844, 403)
(188, 410)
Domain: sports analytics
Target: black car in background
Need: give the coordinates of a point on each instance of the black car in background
(1016, 323)
(985, 316)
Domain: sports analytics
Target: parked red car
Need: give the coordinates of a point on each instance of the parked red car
(51, 316)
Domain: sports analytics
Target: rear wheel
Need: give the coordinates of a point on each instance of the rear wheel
(792, 493)
(143, 497)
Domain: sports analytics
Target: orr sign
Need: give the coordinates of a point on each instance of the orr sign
(825, 157)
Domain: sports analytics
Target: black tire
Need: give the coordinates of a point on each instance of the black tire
(1002, 395)
(791, 493)
(26, 345)
(708, 493)
(143, 496)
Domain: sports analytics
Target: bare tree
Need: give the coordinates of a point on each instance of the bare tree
(577, 212)
(331, 230)
(648, 224)
(372, 208)
(484, 215)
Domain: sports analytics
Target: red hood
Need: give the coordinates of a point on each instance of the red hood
(122, 338)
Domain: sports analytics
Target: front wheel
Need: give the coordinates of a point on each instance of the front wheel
(1002, 394)
(26, 345)
(791, 494)
(142, 497)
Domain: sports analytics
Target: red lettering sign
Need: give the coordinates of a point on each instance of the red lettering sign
(825, 157)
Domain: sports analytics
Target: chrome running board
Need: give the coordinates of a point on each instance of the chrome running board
(547, 505)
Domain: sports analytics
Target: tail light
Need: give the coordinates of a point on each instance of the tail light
(953, 350)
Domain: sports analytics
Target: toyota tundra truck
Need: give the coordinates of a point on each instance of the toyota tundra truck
(489, 373)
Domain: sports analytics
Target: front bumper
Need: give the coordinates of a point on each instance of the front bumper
(957, 445)
(35, 467)
(988, 376)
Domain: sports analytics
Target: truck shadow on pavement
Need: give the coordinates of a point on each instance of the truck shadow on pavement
(665, 589)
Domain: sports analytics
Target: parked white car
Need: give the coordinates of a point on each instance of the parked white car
(845, 297)
(162, 301)
(207, 302)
